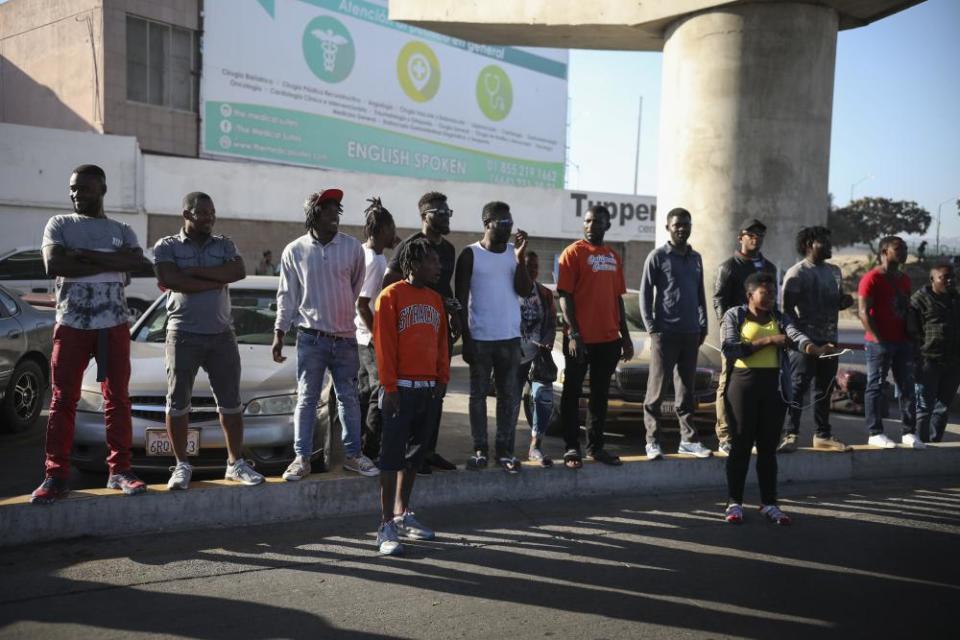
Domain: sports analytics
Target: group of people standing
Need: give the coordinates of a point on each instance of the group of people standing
(384, 331)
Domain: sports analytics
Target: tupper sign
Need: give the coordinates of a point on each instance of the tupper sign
(631, 217)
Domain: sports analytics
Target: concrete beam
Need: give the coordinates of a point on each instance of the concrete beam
(103, 513)
(611, 24)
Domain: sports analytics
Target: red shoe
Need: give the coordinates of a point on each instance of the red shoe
(734, 514)
(127, 482)
(50, 491)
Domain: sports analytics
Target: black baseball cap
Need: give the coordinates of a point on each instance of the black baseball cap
(752, 224)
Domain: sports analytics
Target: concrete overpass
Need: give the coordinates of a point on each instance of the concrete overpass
(746, 102)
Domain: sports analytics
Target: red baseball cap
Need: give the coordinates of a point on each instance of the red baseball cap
(329, 194)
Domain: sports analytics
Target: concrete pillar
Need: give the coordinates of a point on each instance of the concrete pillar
(745, 126)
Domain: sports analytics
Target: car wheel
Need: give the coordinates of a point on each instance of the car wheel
(135, 309)
(24, 398)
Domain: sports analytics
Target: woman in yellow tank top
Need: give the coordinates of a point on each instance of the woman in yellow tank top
(758, 390)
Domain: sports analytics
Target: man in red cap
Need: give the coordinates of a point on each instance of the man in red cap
(321, 274)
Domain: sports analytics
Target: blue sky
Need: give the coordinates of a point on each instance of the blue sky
(896, 113)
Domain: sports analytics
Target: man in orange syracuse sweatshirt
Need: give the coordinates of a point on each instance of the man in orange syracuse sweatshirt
(410, 338)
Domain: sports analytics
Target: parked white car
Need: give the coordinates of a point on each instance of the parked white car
(268, 391)
(22, 271)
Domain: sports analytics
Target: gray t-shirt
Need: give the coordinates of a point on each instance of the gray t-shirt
(206, 312)
(817, 292)
(97, 301)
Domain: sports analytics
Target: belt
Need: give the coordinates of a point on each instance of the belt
(416, 384)
(322, 334)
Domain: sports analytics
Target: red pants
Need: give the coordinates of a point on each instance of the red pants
(72, 350)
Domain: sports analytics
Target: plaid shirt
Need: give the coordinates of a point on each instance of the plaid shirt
(933, 323)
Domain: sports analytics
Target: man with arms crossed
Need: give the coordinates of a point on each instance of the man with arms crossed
(729, 292)
(410, 332)
(90, 255)
(196, 266)
(435, 216)
(490, 275)
(321, 273)
(590, 284)
(674, 310)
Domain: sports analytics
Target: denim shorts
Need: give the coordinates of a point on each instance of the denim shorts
(218, 355)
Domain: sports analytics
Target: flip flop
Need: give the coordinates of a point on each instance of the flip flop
(572, 459)
(536, 455)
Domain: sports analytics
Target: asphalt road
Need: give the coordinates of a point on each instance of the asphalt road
(875, 560)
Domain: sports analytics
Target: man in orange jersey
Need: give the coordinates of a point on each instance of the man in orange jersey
(410, 338)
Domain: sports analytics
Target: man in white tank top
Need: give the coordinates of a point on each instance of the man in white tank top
(487, 285)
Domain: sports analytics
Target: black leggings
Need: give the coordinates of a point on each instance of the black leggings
(755, 412)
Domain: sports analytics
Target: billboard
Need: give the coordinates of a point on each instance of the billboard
(335, 84)
(632, 217)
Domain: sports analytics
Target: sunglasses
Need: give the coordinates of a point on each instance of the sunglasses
(440, 212)
(502, 222)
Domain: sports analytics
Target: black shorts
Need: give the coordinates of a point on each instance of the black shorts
(406, 434)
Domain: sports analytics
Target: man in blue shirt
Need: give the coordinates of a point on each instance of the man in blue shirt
(674, 310)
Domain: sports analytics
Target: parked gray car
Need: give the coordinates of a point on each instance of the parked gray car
(26, 340)
(268, 391)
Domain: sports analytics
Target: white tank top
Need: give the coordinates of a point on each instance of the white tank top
(494, 310)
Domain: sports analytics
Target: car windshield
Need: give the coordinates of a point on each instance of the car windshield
(254, 313)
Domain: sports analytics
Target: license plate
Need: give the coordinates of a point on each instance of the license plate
(158, 443)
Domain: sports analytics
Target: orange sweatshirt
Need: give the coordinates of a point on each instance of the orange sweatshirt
(410, 335)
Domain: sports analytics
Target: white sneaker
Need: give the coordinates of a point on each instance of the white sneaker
(694, 449)
(881, 440)
(912, 441)
(242, 471)
(654, 452)
(180, 478)
(298, 469)
(388, 543)
(362, 465)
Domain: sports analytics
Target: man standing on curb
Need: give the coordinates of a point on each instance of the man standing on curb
(381, 233)
(321, 274)
(884, 298)
(196, 266)
(90, 255)
(812, 294)
(674, 309)
(934, 325)
(490, 275)
(414, 361)
(729, 292)
(591, 284)
(435, 216)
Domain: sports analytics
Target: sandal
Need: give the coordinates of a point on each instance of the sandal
(536, 455)
(572, 459)
(509, 464)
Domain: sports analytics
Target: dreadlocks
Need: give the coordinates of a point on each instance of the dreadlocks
(413, 255)
(808, 235)
(312, 208)
(377, 217)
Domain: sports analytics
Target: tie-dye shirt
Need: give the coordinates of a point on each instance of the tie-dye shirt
(98, 301)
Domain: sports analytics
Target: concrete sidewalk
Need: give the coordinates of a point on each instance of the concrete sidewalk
(209, 504)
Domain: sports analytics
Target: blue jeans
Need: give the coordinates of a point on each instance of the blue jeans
(502, 358)
(936, 387)
(882, 358)
(542, 396)
(315, 356)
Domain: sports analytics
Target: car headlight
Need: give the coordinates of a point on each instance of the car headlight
(272, 405)
(90, 401)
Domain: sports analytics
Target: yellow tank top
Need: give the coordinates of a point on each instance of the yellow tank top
(767, 357)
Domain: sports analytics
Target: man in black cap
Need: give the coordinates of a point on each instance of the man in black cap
(728, 292)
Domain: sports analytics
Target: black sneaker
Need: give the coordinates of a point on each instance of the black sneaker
(424, 469)
(441, 463)
(50, 491)
(602, 455)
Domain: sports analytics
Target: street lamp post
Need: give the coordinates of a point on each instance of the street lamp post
(636, 163)
(853, 186)
(939, 207)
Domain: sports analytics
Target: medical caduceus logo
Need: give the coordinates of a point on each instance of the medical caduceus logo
(328, 49)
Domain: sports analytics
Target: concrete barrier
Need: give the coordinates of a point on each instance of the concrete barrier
(208, 504)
